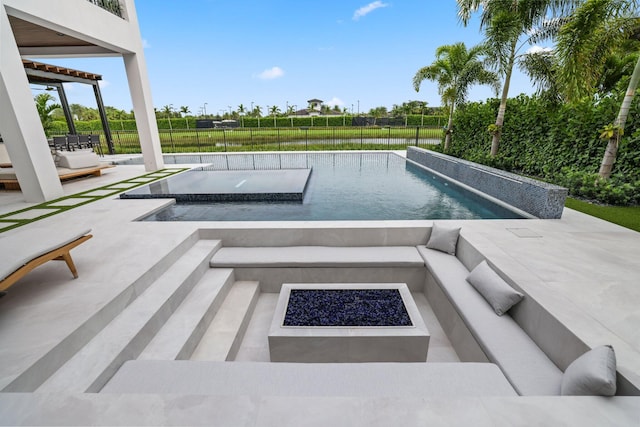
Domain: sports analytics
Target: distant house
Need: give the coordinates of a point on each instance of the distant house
(315, 104)
(314, 108)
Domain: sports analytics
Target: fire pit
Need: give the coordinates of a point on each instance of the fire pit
(372, 322)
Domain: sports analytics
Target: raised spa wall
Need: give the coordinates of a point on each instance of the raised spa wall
(537, 198)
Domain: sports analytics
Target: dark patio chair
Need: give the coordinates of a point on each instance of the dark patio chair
(95, 143)
(60, 143)
(73, 142)
(84, 141)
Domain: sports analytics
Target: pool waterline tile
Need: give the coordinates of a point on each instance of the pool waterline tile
(204, 185)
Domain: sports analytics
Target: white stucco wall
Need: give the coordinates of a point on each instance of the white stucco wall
(19, 122)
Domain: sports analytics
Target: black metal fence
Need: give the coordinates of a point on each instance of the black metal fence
(280, 139)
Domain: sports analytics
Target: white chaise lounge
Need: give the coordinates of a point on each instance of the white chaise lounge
(22, 251)
(69, 165)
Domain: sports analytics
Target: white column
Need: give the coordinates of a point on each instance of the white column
(144, 112)
(20, 125)
(142, 101)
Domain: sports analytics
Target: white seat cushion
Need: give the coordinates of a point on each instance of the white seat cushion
(524, 364)
(22, 246)
(496, 291)
(317, 256)
(78, 159)
(592, 374)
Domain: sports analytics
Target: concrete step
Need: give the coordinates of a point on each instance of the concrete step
(179, 337)
(129, 333)
(224, 336)
(27, 378)
(303, 380)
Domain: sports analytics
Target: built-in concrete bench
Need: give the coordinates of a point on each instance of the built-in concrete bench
(400, 380)
(500, 339)
(531, 346)
(272, 266)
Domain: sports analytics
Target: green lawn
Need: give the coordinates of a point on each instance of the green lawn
(628, 217)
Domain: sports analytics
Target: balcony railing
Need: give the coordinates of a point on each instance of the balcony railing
(112, 6)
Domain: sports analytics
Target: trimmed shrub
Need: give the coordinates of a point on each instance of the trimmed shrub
(549, 142)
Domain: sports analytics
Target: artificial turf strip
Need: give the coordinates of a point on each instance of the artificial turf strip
(7, 223)
(626, 216)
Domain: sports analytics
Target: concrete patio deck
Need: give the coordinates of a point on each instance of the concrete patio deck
(585, 271)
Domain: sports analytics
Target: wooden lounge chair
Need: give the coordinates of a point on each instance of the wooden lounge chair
(24, 250)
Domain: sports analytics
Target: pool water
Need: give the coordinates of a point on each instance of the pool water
(342, 186)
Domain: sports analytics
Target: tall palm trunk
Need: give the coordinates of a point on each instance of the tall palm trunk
(447, 137)
(611, 151)
(497, 134)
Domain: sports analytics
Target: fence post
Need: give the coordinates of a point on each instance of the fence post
(389, 138)
(224, 136)
(278, 136)
(198, 140)
(173, 147)
(306, 137)
(361, 137)
(417, 134)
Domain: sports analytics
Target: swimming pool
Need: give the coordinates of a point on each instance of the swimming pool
(340, 186)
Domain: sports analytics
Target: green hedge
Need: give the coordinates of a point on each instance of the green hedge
(418, 120)
(561, 144)
(287, 122)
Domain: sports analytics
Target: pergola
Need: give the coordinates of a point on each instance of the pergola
(54, 76)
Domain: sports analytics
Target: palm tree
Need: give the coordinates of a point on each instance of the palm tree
(241, 112)
(455, 70)
(541, 67)
(595, 32)
(168, 110)
(274, 110)
(45, 109)
(185, 110)
(504, 22)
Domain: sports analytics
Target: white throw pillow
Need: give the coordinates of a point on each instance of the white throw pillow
(592, 374)
(443, 238)
(496, 291)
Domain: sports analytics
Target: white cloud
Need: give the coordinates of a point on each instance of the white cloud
(538, 49)
(103, 83)
(271, 73)
(365, 10)
(335, 101)
(146, 44)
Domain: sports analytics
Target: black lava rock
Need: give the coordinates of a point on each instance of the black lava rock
(346, 307)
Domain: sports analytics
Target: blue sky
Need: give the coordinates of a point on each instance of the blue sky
(345, 52)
